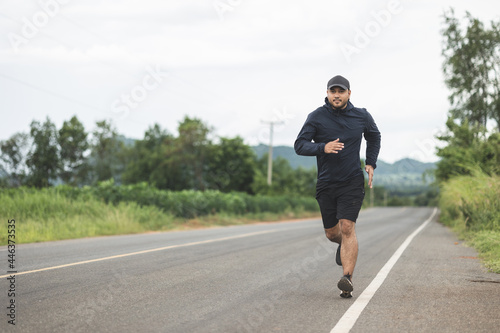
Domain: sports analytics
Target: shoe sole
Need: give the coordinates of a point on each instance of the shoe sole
(346, 294)
(345, 285)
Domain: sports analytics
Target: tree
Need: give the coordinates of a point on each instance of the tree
(471, 68)
(43, 159)
(107, 153)
(193, 145)
(150, 160)
(14, 153)
(286, 180)
(73, 144)
(467, 151)
(231, 166)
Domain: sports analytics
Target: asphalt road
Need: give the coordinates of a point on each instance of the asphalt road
(270, 277)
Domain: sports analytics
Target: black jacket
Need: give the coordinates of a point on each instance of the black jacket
(326, 124)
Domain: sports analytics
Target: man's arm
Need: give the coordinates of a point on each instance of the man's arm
(373, 138)
(303, 145)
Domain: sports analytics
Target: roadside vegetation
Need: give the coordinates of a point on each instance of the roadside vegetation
(65, 212)
(471, 206)
(469, 170)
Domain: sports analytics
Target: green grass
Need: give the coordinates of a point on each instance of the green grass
(487, 243)
(55, 214)
(44, 215)
(470, 205)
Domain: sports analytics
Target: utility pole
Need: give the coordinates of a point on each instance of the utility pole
(270, 155)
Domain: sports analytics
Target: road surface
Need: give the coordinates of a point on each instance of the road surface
(269, 277)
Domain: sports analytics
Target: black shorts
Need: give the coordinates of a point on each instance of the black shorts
(340, 200)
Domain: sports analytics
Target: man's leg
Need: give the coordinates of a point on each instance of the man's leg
(334, 234)
(349, 249)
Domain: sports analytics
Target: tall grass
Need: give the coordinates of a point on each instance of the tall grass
(65, 212)
(471, 206)
(43, 215)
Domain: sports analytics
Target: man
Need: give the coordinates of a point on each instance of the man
(333, 134)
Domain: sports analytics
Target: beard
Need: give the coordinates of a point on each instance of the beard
(341, 106)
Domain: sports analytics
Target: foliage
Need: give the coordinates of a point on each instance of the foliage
(194, 144)
(473, 201)
(107, 153)
(285, 179)
(230, 166)
(191, 203)
(43, 159)
(471, 68)
(65, 211)
(13, 156)
(48, 214)
(466, 151)
(468, 172)
(152, 160)
(471, 205)
(73, 145)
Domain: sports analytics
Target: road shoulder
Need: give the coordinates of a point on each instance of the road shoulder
(438, 285)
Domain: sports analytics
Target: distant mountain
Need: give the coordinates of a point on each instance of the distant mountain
(287, 153)
(405, 173)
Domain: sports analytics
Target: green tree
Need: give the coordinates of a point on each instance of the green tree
(43, 159)
(285, 179)
(153, 160)
(107, 153)
(471, 68)
(13, 155)
(73, 144)
(231, 166)
(192, 146)
(466, 151)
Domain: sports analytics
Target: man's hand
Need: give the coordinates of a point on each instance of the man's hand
(369, 171)
(333, 147)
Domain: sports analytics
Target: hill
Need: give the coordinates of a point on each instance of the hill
(405, 174)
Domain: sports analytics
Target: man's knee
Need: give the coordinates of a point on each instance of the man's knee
(347, 227)
(333, 234)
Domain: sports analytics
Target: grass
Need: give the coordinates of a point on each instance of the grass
(470, 205)
(47, 215)
(487, 243)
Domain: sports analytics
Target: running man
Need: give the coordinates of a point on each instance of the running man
(333, 134)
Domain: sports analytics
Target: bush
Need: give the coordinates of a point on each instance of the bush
(473, 201)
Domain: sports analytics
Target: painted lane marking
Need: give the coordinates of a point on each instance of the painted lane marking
(147, 251)
(352, 314)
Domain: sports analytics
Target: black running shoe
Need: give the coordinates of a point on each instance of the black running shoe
(337, 257)
(346, 294)
(345, 284)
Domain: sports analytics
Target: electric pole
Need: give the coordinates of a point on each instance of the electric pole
(270, 155)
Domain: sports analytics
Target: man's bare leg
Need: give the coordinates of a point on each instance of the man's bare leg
(334, 234)
(349, 249)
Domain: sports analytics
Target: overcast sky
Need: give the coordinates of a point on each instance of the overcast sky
(231, 63)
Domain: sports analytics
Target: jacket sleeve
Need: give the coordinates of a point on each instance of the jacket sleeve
(372, 137)
(303, 145)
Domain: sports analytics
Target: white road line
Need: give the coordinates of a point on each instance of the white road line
(147, 251)
(352, 314)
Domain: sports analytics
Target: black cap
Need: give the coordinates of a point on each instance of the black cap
(338, 81)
